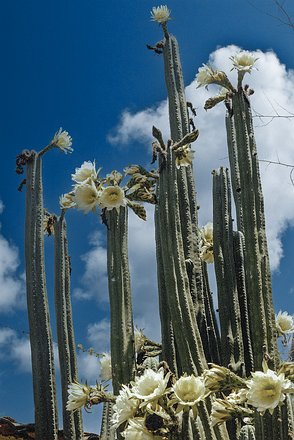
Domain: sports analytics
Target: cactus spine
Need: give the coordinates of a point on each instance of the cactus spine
(122, 333)
(247, 433)
(38, 311)
(72, 422)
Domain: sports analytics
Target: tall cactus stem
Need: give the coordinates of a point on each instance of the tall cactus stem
(38, 311)
(122, 332)
(72, 422)
(106, 433)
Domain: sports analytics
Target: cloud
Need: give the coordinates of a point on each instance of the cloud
(16, 348)
(274, 92)
(12, 291)
(95, 273)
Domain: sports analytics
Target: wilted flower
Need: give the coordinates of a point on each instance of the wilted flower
(206, 75)
(86, 171)
(114, 178)
(284, 323)
(238, 396)
(66, 201)
(219, 378)
(140, 339)
(243, 61)
(184, 156)
(78, 396)
(223, 410)
(112, 197)
(63, 141)
(124, 408)
(267, 390)
(105, 366)
(288, 369)
(161, 14)
(87, 197)
(187, 392)
(151, 385)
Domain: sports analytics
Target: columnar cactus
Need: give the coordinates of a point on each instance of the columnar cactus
(121, 331)
(251, 222)
(72, 422)
(38, 311)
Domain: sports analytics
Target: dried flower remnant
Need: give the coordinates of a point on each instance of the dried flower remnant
(62, 140)
(140, 339)
(223, 410)
(161, 14)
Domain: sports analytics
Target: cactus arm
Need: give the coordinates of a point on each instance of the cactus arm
(122, 335)
(247, 433)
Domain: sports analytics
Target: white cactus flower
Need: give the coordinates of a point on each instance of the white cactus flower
(187, 392)
(78, 396)
(206, 75)
(105, 366)
(284, 323)
(63, 141)
(151, 385)
(87, 197)
(243, 61)
(112, 197)
(161, 14)
(267, 390)
(137, 430)
(86, 171)
(124, 408)
(207, 232)
(66, 201)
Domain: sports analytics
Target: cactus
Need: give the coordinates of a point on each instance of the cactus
(38, 311)
(247, 433)
(122, 332)
(72, 422)
(251, 222)
(106, 433)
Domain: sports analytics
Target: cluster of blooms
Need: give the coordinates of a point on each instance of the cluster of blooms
(161, 14)
(152, 404)
(243, 62)
(90, 191)
(206, 244)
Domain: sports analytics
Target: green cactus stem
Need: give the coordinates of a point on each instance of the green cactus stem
(247, 433)
(106, 433)
(122, 331)
(38, 311)
(229, 308)
(72, 422)
(251, 222)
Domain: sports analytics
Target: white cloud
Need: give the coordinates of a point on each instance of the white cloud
(16, 348)
(94, 279)
(12, 291)
(274, 91)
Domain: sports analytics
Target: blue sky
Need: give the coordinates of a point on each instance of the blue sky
(84, 66)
